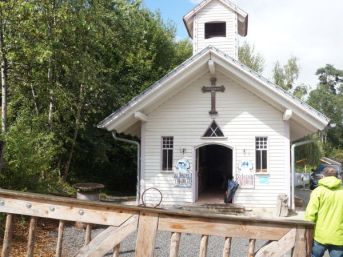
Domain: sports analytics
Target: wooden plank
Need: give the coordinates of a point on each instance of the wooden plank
(88, 234)
(147, 228)
(309, 240)
(222, 228)
(300, 248)
(278, 248)
(87, 214)
(59, 239)
(106, 240)
(6, 246)
(227, 247)
(31, 237)
(24, 198)
(174, 244)
(203, 246)
(116, 250)
(251, 248)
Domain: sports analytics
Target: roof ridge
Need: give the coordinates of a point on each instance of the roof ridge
(270, 83)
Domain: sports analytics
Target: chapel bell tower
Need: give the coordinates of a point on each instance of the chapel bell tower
(217, 23)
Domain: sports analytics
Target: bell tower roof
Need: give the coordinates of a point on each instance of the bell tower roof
(242, 17)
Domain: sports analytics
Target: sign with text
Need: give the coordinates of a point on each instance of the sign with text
(182, 174)
(245, 176)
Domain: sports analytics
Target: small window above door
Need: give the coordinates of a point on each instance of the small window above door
(213, 131)
(215, 29)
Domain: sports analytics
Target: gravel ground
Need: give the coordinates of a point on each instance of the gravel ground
(73, 240)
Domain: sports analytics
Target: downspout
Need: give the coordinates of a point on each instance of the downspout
(293, 168)
(138, 187)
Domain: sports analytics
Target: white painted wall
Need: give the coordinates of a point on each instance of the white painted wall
(216, 11)
(242, 116)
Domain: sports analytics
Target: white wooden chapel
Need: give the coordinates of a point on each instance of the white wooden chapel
(212, 118)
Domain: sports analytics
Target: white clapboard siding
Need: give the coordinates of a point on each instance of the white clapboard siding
(216, 11)
(241, 115)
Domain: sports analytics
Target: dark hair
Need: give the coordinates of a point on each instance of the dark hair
(330, 171)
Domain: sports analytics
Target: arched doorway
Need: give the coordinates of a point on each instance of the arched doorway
(214, 169)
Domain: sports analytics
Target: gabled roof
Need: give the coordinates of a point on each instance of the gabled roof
(303, 114)
(242, 17)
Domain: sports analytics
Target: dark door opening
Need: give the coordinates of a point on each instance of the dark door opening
(215, 168)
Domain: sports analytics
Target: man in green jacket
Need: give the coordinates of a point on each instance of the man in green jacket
(326, 210)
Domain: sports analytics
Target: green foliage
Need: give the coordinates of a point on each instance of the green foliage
(29, 156)
(248, 56)
(311, 152)
(286, 76)
(72, 63)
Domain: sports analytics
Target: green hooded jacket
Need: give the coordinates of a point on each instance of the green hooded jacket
(326, 210)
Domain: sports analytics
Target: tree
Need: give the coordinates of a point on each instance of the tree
(248, 56)
(286, 76)
(328, 99)
(71, 63)
(330, 77)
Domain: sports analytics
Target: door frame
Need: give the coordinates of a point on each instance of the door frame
(195, 185)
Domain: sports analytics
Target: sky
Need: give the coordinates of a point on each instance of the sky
(311, 30)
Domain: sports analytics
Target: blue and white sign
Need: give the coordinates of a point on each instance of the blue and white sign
(182, 174)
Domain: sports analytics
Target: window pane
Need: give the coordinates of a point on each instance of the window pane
(258, 160)
(264, 160)
(215, 29)
(164, 159)
(170, 159)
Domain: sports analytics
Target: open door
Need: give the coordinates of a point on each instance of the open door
(213, 169)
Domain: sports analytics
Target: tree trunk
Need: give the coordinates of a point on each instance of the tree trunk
(76, 132)
(4, 76)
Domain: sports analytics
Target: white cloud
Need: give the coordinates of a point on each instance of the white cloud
(196, 1)
(307, 29)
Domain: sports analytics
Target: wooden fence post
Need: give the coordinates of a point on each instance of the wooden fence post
(6, 247)
(31, 238)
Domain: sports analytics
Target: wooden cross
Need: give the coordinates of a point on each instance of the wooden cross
(213, 89)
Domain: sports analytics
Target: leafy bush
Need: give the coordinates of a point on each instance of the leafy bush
(29, 154)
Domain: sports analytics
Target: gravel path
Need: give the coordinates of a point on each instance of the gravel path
(73, 240)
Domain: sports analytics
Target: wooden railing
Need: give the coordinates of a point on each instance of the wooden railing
(283, 236)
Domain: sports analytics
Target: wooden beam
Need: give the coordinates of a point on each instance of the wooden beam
(6, 246)
(106, 240)
(251, 248)
(174, 244)
(69, 212)
(287, 114)
(31, 238)
(60, 239)
(116, 250)
(300, 247)
(211, 67)
(227, 247)
(222, 228)
(278, 248)
(141, 116)
(203, 246)
(88, 234)
(146, 237)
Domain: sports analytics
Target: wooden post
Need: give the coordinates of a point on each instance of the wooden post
(300, 248)
(227, 247)
(60, 239)
(203, 246)
(31, 238)
(88, 234)
(251, 250)
(6, 246)
(116, 250)
(174, 244)
(147, 228)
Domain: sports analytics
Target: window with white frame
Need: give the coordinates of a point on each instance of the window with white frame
(261, 154)
(167, 153)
